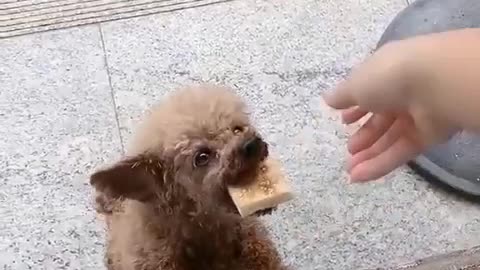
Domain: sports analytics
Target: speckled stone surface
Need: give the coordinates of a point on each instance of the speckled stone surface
(281, 56)
(57, 124)
(56, 103)
(458, 260)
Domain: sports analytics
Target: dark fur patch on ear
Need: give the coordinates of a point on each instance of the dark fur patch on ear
(133, 178)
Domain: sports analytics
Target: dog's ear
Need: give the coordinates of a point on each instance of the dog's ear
(133, 178)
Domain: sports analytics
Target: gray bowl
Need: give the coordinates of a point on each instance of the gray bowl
(455, 164)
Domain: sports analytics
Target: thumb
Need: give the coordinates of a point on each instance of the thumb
(341, 97)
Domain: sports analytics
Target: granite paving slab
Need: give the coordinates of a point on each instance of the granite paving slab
(56, 100)
(281, 56)
(58, 124)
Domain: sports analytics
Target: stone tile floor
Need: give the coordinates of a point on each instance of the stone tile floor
(70, 98)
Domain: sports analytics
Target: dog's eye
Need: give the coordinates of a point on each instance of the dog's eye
(202, 158)
(237, 129)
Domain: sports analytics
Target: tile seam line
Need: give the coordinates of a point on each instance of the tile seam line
(112, 94)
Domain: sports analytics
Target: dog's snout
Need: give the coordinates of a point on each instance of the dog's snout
(252, 147)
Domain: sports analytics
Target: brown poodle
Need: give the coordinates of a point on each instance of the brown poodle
(166, 203)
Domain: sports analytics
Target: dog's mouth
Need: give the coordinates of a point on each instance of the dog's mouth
(253, 152)
(261, 154)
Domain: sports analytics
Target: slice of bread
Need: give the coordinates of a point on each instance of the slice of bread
(270, 189)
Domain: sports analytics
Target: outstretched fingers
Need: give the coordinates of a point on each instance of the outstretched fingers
(395, 156)
(380, 145)
(391, 150)
(370, 132)
(352, 115)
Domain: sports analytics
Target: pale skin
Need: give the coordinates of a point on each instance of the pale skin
(417, 93)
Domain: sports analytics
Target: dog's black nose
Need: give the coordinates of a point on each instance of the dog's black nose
(252, 147)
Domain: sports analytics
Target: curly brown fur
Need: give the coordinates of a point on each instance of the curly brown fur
(166, 203)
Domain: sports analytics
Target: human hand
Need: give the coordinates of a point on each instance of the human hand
(386, 141)
(393, 86)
